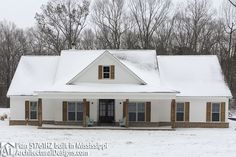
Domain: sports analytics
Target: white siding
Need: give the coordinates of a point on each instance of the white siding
(121, 74)
(198, 107)
(160, 109)
(17, 107)
(94, 109)
(118, 110)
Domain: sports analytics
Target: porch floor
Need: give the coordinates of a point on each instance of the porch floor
(161, 128)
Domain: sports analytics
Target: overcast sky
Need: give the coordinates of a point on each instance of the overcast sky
(22, 12)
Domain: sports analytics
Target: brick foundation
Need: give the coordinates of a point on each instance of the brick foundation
(200, 125)
(133, 124)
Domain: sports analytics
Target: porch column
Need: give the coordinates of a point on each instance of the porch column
(173, 111)
(40, 117)
(126, 113)
(84, 112)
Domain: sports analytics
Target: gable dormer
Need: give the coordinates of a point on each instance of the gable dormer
(106, 69)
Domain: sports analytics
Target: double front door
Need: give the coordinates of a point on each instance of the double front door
(106, 110)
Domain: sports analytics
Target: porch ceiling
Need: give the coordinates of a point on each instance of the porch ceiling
(101, 95)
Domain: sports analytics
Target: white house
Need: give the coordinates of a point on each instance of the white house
(135, 86)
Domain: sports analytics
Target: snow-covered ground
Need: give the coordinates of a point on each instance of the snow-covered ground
(4, 111)
(182, 142)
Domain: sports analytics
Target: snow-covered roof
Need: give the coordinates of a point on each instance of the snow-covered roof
(162, 74)
(51, 74)
(193, 75)
(33, 73)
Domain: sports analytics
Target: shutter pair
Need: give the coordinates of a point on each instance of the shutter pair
(64, 110)
(208, 111)
(186, 111)
(147, 110)
(100, 72)
(39, 111)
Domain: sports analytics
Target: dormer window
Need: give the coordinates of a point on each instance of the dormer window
(106, 72)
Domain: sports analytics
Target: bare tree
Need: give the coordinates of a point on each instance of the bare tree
(12, 46)
(63, 21)
(193, 26)
(230, 25)
(229, 56)
(148, 15)
(110, 18)
(87, 40)
(163, 38)
(232, 2)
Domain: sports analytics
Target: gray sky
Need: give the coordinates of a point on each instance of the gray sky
(22, 12)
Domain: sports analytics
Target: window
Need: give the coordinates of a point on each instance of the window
(180, 112)
(33, 110)
(215, 112)
(75, 111)
(136, 111)
(106, 72)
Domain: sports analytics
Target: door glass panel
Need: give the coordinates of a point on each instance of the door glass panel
(106, 111)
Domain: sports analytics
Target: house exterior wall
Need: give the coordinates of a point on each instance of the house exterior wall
(198, 107)
(160, 110)
(121, 74)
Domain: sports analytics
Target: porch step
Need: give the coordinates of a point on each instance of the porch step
(162, 128)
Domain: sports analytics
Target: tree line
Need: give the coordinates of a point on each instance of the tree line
(192, 28)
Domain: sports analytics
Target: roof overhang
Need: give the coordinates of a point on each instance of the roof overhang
(104, 95)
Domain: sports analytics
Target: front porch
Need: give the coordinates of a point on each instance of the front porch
(105, 113)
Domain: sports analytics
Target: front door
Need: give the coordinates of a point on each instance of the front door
(106, 110)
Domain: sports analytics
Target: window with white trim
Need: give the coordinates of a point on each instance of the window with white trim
(75, 111)
(215, 112)
(179, 111)
(136, 111)
(33, 110)
(106, 72)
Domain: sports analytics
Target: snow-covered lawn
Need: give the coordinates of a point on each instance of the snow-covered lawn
(182, 142)
(4, 111)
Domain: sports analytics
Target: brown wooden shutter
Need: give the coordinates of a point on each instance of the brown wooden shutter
(64, 110)
(148, 111)
(173, 108)
(40, 118)
(26, 110)
(112, 72)
(84, 112)
(208, 112)
(100, 72)
(124, 103)
(222, 110)
(88, 108)
(187, 108)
